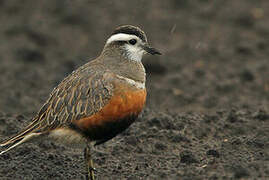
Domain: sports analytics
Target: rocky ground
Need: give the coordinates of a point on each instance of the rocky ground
(207, 114)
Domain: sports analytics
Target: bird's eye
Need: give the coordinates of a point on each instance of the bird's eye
(132, 41)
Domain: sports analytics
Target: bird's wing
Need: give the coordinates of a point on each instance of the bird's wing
(79, 95)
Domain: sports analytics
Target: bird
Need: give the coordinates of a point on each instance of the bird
(97, 101)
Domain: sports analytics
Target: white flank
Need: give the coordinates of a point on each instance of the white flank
(68, 137)
(139, 85)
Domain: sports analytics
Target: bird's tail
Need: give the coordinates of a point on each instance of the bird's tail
(27, 134)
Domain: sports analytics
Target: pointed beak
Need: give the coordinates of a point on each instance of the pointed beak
(151, 50)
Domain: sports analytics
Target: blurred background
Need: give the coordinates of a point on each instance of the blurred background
(215, 53)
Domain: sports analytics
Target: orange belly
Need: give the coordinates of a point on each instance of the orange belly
(116, 116)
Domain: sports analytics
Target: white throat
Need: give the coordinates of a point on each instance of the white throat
(134, 53)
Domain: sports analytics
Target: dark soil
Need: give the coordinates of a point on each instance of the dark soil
(207, 114)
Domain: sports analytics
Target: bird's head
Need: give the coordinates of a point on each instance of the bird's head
(130, 42)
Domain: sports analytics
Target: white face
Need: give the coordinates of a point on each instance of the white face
(134, 51)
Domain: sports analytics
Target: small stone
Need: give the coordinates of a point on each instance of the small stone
(213, 153)
(187, 157)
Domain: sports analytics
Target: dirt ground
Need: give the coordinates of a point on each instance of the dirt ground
(207, 114)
